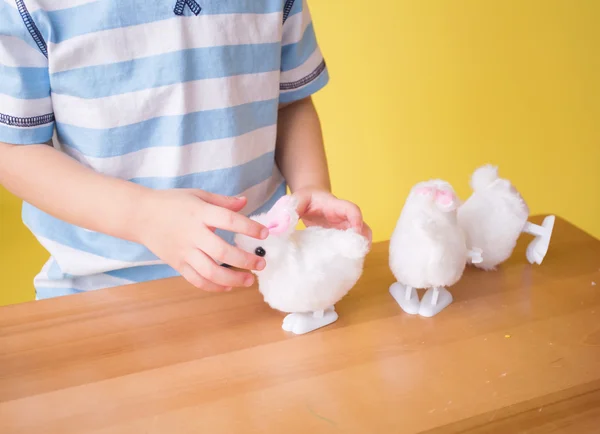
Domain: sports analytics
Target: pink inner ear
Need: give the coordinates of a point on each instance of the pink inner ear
(444, 197)
(424, 190)
(280, 224)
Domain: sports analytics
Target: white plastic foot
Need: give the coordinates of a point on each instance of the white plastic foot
(475, 256)
(434, 301)
(406, 297)
(537, 249)
(301, 323)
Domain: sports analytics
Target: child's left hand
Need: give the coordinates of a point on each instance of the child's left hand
(321, 208)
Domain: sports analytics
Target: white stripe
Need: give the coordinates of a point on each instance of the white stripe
(49, 5)
(24, 108)
(85, 283)
(303, 70)
(43, 274)
(173, 100)
(171, 161)
(296, 25)
(17, 53)
(178, 33)
(80, 263)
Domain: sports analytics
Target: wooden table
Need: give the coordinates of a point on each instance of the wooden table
(518, 351)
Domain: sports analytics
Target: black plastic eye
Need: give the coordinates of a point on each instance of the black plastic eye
(260, 252)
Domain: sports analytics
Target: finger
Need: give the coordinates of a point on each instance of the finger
(232, 203)
(221, 276)
(233, 222)
(191, 275)
(367, 233)
(303, 203)
(352, 213)
(233, 256)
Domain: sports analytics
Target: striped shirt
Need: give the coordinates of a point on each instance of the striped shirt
(166, 94)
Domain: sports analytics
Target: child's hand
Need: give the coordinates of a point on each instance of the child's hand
(178, 226)
(321, 208)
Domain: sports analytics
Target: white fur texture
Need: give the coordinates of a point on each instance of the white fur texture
(427, 248)
(307, 270)
(493, 217)
(483, 177)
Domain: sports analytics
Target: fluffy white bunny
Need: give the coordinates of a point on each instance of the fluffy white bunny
(307, 271)
(427, 249)
(494, 217)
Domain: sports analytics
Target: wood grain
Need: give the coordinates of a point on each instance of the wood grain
(517, 352)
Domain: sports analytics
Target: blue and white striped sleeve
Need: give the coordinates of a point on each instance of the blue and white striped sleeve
(26, 115)
(303, 69)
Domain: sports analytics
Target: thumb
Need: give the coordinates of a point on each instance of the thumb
(303, 203)
(231, 203)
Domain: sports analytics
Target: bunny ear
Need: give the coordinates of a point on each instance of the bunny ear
(286, 202)
(283, 217)
(279, 224)
(446, 200)
(424, 190)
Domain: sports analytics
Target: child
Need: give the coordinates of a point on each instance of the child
(133, 130)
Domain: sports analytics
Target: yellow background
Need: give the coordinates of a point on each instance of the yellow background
(434, 88)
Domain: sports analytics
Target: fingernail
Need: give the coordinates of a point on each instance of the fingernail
(264, 233)
(260, 264)
(240, 197)
(249, 281)
(228, 289)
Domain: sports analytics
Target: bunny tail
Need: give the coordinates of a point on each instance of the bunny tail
(483, 177)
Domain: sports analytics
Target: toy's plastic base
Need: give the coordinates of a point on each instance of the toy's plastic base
(475, 256)
(406, 297)
(301, 323)
(434, 301)
(537, 249)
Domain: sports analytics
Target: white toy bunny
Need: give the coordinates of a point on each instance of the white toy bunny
(428, 249)
(307, 271)
(494, 217)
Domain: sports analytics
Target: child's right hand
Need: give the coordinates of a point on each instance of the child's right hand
(178, 226)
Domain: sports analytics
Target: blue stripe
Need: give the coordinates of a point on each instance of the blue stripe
(144, 273)
(12, 24)
(306, 91)
(46, 226)
(26, 136)
(46, 293)
(165, 69)
(297, 7)
(294, 55)
(281, 191)
(54, 271)
(228, 182)
(104, 15)
(24, 83)
(170, 130)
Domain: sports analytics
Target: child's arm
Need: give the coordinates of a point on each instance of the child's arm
(300, 151)
(176, 225)
(65, 189)
(300, 154)
(301, 157)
